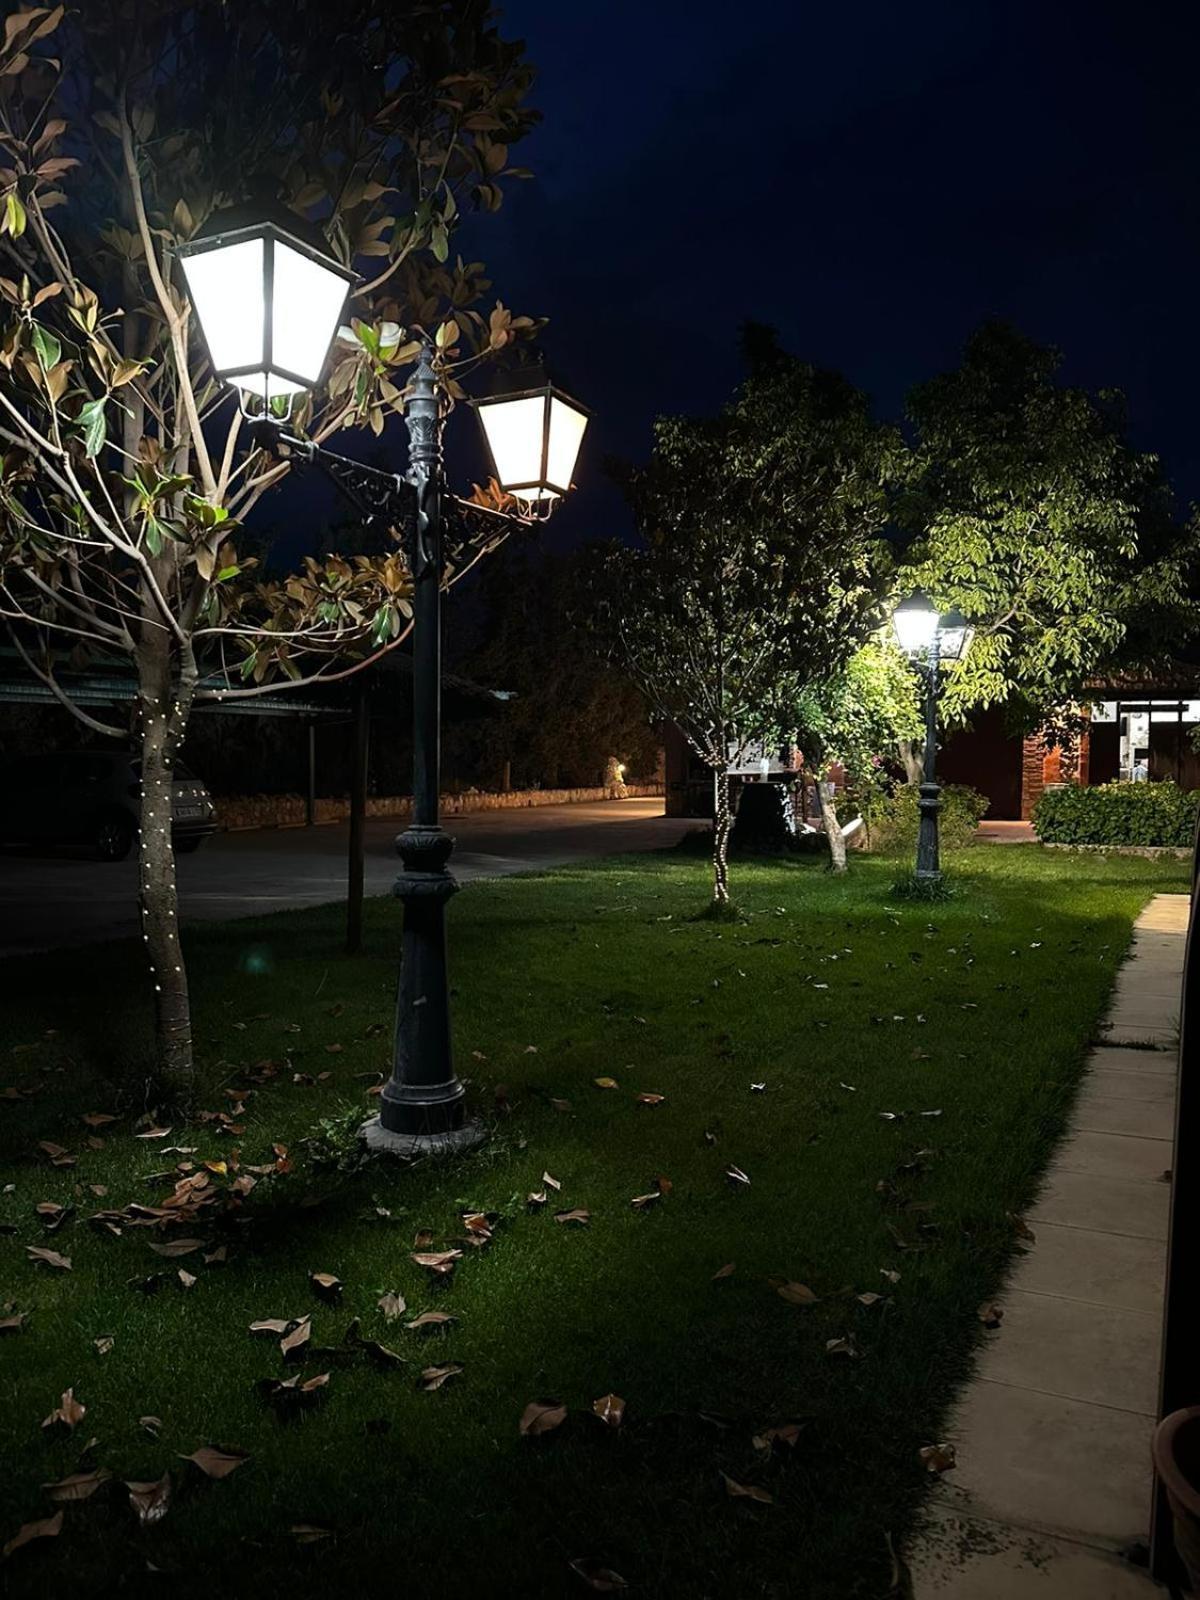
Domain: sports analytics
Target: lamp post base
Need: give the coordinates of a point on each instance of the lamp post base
(417, 1146)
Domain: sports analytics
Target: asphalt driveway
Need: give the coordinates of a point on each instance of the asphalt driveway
(50, 901)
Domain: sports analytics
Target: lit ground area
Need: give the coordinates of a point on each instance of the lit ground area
(858, 1096)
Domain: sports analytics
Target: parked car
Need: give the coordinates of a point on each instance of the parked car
(91, 798)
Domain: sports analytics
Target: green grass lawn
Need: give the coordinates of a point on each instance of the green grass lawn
(971, 1018)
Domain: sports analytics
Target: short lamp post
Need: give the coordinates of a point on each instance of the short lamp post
(929, 638)
(269, 299)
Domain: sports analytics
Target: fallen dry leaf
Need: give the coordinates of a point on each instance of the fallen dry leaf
(577, 1217)
(561, 1105)
(435, 1377)
(150, 1500)
(275, 1325)
(186, 1279)
(309, 1532)
(178, 1247)
(78, 1486)
(990, 1315)
(843, 1347)
(152, 1425)
(796, 1294)
(153, 1133)
(292, 1343)
(550, 1182)
(640, 1202)
(605, 1083)
(430, 1319)
(746, 1491)
(784, 1433)
(103, 1345)
(937, 1457)
(13, 1323)
(215, 1462)
(737, 1177)
(392, 1304)
(97, 1119)
(48, 1258)
(439, 1262)
(610, 1408)
(535, 1199)
(541, 1416)
(600, 1578)
(68, 1412)
(46, 1528)
(890, 1274)
(727, 1271)
(650, 1099)
(325, 1286)
(868, 1299)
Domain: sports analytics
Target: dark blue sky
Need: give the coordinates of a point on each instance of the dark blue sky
(874, 179)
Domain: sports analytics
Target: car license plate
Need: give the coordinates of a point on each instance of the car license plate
(187, 812)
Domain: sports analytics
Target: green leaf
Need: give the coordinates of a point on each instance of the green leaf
(154, 535)
(14, 216)
(439, 241)
(228, 572)
(49, 351)
(95, 428)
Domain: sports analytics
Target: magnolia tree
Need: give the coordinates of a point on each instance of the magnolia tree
(1031, 512)
(125, 476)
(761, 569)
(847, 718)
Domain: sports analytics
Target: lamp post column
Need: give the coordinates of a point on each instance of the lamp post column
(930, 802)
(421, 1109)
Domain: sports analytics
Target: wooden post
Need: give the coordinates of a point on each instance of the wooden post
(359, 763)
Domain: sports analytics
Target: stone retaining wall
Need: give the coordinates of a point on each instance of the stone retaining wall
(1151, 851)
(288, 810)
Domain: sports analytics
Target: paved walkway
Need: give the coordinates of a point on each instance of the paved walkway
(1053, 1434)
(52, 901)
(1006, 833)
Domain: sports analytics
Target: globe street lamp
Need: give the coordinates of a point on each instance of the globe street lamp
(269, 298)
(928, 639)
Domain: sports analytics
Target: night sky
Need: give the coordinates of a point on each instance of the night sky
(873, 179)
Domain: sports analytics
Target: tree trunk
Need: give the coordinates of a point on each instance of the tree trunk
(912, 757)
(162, 724)
(833, 829)
(722, 822)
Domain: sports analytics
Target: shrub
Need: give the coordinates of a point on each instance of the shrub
(1117, 813)
(896, 819)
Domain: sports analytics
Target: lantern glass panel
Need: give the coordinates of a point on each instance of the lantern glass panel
(226, 288)
(566, 435)
(915, 625)
(514, 430)
(307, 301)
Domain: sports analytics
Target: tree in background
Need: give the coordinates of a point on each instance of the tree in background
(1031, 512)
(570, 711)
(123, 128)
(849, 717)
(761, 568)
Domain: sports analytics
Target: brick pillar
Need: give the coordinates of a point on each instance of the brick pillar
(1033, 773)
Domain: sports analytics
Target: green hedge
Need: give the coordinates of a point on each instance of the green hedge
(1117, 813)
(894, 819)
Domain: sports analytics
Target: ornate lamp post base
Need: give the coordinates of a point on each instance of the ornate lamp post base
(414, 1146)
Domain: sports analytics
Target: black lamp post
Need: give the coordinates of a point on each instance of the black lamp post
(929, 639)
(269, 298)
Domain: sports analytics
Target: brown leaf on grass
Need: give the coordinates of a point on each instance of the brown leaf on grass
(45, 1528)
(48, 1258)
(727, 1271)
(274, 1325)
(13, 1323)
(796, 1294)
(178, 1247)
(870, 1298)
(150, 1500)
(605, 1083)
(216, 1462)
(439, 1262)
(783, 1433)
(392, 1304)
(577, 1217)
(295, 1391)
(890, 1274)
(292, 1344)
(598, 1577)
(535, 1199)
(309, 1532)
(435, 1377)
(990, 1315)
(560, 1105)
(845, 1346)
(937, 1457)
(97, 1119)
(325, 1286)
(186, 1279)
(541, 1416)
(610, 1408)
(380, 1353)
(104, 1344)
(430, 1319)
(641, 1202)
(153, 1133)
(737, 1177)
(152, 1425)
(551, 1182)
(479, 1223)
(746, 1491)
(650, 1099)
(78, 1486)
(57, 1155)
(423, 1238)
(68, 1412)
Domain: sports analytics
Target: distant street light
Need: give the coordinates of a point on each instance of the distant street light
(928, 639)
(269, 298)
